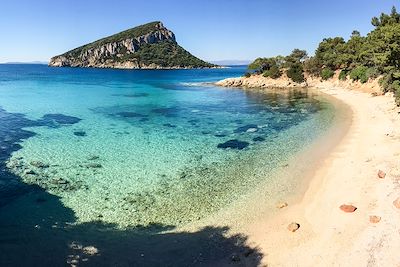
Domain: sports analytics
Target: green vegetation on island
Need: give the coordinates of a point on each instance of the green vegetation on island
(360, 58)
(147, 46)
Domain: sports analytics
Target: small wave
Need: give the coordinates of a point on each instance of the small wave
(196, 84)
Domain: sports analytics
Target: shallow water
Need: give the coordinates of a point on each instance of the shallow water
(146, 147)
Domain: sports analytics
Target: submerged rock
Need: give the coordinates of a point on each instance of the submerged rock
(258, 139)
(29, 171)
(246, 128)
(169, 125)
(59, 181)
(128, 114)
(234, 144)
(90, 250)
(80, 133)
(94, 165)
(39, 164)
(60, 118)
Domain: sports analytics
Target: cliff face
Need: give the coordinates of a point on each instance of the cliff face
(147, 46)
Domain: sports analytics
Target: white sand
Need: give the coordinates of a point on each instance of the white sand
(327, 235)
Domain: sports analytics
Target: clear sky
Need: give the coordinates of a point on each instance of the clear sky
(210, 29)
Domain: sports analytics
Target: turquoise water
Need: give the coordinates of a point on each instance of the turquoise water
(147, 147)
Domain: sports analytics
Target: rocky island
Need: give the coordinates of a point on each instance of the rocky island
(148, 46)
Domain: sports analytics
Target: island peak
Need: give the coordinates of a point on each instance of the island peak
(148, 46)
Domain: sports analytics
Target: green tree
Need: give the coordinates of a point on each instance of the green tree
(312, 66)
(295, 72)
(297, 56)
(330, 52)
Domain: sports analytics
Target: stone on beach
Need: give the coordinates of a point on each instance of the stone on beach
(374, 219)
(293, 227)
(348, 208)
(381, 174)
(282, 205)
(396, 202)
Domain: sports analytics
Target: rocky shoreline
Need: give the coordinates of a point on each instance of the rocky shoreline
(259, 81)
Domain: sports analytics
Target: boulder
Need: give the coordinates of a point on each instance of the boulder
(348, 208)
(396, 202)
(381, 174)
(374, 219)
(293, 227)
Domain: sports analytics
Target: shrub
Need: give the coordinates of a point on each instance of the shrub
(247, 75)
(274, 72)
(359, 73)
(327, 73)
(372, 73)
(396, 89)
(295, 72)
(343, 75)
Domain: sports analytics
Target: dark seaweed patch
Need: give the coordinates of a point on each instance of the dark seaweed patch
(234, 144)
(80, 133)
(169, 125)
(167, 112)
(193, 121)
(11, 133)
(244, 128)
(128, 114)
(134, 95)
(258, 139)
(59, 118)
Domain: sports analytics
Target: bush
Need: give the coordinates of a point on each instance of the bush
(343, 75)
(359, 74)
(327, 73)
(295, 72)
(247, 75)
(274, 72)
(396, 89)
(372, 73)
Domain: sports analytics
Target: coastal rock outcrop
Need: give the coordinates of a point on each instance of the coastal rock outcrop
(259, 81)
(149, 46)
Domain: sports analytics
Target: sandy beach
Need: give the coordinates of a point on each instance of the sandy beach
(327, 235)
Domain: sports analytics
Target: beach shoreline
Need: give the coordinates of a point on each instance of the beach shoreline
(348, 175)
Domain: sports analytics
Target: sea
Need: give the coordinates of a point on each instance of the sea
(99, 167)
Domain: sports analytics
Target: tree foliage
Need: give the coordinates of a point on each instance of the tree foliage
(295, 72)
(327, 73)
(360, 57)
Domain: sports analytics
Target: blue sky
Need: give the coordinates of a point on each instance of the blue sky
(210, 29)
